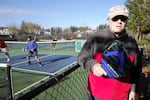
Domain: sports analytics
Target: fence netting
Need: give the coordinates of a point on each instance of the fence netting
(70, 85)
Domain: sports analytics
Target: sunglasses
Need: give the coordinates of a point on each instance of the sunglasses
(122, 18)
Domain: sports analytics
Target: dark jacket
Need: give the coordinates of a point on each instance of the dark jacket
(97, 43)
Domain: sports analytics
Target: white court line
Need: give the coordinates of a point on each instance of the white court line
(31, 85)
(32, 71)
(50, 41)
(68, 66)
(31, 60)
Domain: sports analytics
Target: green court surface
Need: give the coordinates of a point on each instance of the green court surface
(22, 79)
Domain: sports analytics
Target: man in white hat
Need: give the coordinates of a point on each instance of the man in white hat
(100, 86)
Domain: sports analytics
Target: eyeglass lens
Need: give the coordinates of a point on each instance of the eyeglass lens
(122, 18)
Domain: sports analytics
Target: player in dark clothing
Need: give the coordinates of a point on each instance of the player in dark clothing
(4, 49)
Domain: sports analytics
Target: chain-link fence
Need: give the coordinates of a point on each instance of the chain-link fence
(69, 85)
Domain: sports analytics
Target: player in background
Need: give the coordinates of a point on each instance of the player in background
(4, 49)
(31, 47)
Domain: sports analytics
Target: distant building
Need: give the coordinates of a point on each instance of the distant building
(79, 35)
(4, 31)
(45, 31)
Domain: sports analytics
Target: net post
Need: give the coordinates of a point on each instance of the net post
(79, 44)
(6, 86)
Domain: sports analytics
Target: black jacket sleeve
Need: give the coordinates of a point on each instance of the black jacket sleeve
(137, 64)
(85, 57)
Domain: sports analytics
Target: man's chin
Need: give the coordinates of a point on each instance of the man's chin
(118, 31)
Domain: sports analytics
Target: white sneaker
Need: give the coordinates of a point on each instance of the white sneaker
(8, 60)
(40, 65)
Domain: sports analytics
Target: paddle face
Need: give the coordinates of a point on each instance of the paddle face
(115, 60)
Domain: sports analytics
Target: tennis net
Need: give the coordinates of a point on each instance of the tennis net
(16, 47)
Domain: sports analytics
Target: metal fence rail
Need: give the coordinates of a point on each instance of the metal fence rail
(69, 85)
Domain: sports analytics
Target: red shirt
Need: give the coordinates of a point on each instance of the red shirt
(109, 88)
(3, 44)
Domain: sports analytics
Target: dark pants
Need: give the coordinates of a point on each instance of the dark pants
(32, 52)
(91, 97)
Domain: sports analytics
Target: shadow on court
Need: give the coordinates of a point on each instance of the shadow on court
(52, 63)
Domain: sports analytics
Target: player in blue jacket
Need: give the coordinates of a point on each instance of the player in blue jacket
(32, 49)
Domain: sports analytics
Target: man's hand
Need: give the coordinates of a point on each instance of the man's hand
(24, 50)
(98, 70)
(6, 49)
(132, 96)
(32, 50)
